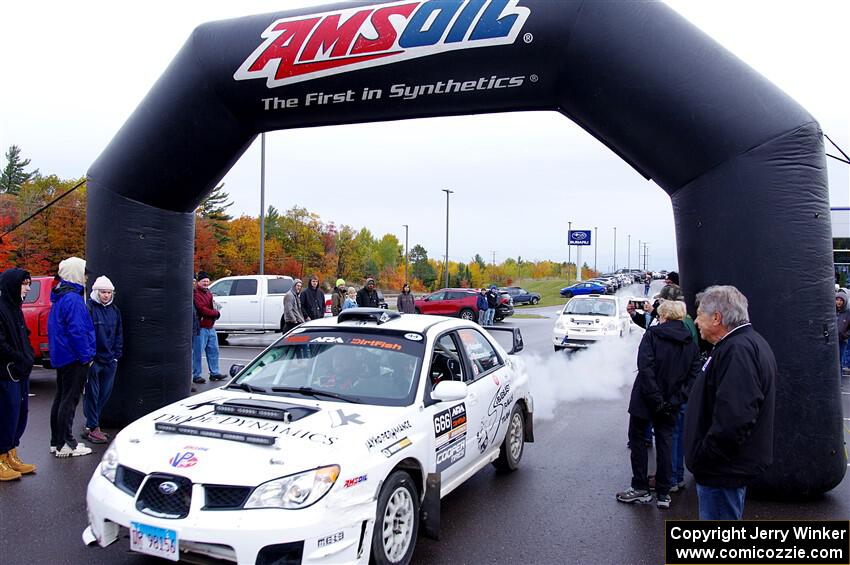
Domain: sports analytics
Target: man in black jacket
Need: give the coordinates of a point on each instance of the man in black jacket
(729, 421)
(367, 297)
(313, 300)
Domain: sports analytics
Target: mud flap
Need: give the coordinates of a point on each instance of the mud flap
(430, 511)
(529, 427)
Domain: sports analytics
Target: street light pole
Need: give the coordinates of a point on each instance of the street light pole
(405, 253)
(446, 264)
(615, 249)
(569, 251)
(629, 263)
(262, 202)
(595, 245)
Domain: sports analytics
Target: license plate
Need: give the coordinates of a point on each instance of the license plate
(151, 540)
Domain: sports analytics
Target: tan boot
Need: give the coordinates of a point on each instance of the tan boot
(15, 463)
(6, 472)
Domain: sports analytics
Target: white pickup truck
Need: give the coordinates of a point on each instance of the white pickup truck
(252, 303)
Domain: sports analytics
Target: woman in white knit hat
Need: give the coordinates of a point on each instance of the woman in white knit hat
(110, 344)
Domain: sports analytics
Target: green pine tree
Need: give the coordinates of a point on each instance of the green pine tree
(214, 208)
(13, 175)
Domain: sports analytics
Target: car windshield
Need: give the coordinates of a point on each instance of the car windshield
(339, 365)
(591, 307)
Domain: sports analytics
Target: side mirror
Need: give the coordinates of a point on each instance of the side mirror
(516, 338)
(235, 368)
(447, 391)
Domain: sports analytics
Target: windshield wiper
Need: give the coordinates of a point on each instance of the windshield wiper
(309, 391)
(247, 388)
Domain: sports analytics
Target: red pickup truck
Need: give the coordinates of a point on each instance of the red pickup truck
(36, 308)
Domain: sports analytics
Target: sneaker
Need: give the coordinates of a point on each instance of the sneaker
(663, 501)
(199, 380)
(97, 436)
(632, 495)
(53, 450)
(217, 377)
(78, 451)
(678, 486)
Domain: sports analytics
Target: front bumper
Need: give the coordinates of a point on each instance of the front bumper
(503, 311)
(244, 536)
(573, 338)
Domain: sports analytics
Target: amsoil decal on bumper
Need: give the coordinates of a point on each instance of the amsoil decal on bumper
(450, 436)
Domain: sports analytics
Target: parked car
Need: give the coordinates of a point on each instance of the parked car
(582, 288)
(459, 302)
(36, 309)
(323, 449)
(252, 303)
(588, 319)
(521, 296)
(505, 307)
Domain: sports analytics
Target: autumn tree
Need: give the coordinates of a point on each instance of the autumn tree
(13, 174)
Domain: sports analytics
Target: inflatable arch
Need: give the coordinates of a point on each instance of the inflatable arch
(743, 164)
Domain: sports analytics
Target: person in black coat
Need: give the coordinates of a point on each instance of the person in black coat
(668, 362)
(16, 361)
(367, 297)
(313, 300)
(729, 420)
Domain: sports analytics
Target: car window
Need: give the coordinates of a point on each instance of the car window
(437, 296)
(482, 357)
(591, 307)
(279, 286)
(221, 288)
(445, 361)
(456, 295)
(34, 292)
(361, 366)
(244, 287)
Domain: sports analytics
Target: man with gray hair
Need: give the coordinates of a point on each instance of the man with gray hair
(729, 421)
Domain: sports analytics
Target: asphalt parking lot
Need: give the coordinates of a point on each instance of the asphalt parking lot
(559, 507)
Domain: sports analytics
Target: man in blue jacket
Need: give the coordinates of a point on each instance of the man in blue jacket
(109, 340)
(70, 336)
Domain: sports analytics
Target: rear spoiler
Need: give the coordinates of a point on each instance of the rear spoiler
(515, 333)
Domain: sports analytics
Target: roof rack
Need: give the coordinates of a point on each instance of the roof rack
(377, 315)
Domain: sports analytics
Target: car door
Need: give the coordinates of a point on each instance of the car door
(451, 444)
(490, 396)
(432, 304)
(221, 294)
(244, 304)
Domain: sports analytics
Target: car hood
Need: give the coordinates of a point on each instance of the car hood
(208, 446)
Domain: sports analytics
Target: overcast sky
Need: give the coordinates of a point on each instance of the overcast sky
(75, 71)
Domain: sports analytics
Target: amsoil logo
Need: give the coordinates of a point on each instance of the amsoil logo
(318, 45)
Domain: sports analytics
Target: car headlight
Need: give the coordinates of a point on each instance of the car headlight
(561, 324)
(295, 491)
(109, 463)
(611, 326)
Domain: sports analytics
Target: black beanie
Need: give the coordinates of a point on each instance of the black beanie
(673, 276)
(202, 275)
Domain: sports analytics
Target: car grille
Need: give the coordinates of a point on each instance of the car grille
(225, 497)
(154, 502)
(129, 480)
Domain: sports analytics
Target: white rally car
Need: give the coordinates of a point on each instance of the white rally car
(588, 319)
(333, 446)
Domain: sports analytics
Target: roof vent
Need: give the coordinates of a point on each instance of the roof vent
(376, 315)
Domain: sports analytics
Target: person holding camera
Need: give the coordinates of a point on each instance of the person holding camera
(668, 363)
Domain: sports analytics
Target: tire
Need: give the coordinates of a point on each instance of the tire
(417, 311)
(558, 348)
(398, 502)
(222, 338)
(466, 314)
(534, 300)
(567, 295)
(510, 452)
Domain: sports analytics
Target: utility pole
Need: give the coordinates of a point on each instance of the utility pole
(629, 267)
(494, 258)
(639, 252)
(446, 265)
(405, 253)
(262, 202)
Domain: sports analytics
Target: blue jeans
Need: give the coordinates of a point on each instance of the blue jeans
(489, 320)
(98, 388)
(678, 447)
(206, 342)
(719, 503)
(482, 317)
(843, 354)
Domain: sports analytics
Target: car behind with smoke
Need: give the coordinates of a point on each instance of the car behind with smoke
(587, 319)
(323, 449)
